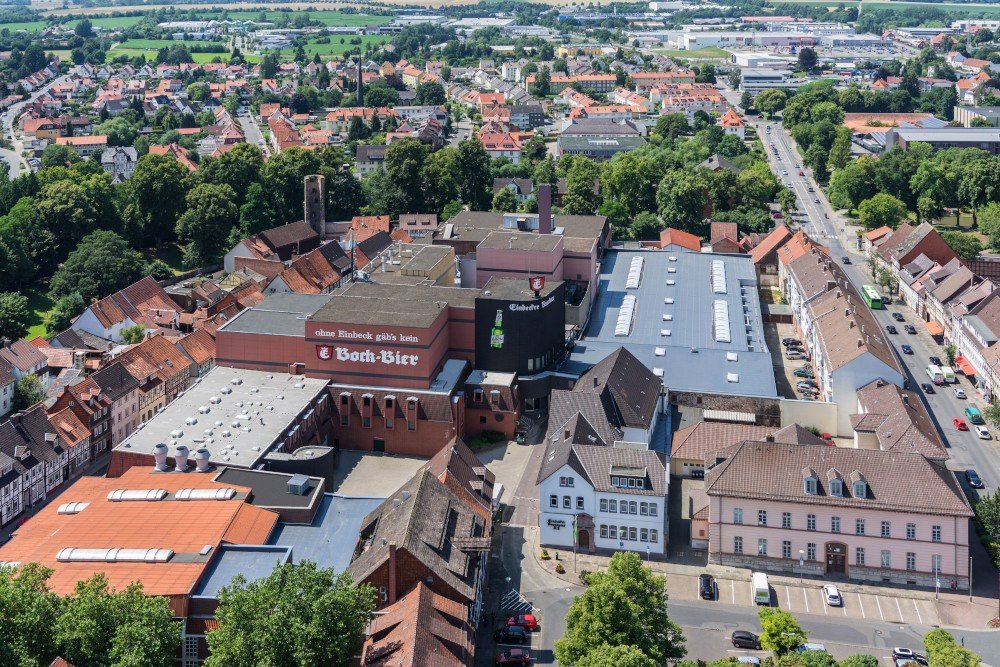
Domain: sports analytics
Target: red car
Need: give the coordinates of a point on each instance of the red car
(960, 424)
(514, 656)
(801, 173)
(526, 621)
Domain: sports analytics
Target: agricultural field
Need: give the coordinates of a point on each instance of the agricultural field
(335, 48)
(146, 44)
(702, 53)
(956, 9)
(28, 26)
(107, 22)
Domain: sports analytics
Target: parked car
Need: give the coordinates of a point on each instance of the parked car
(511, 634)
(794, 355)
(845, 260)
(807, 386)
(960, 424)
(959, 393)
(898, 317)
(706, 586)
(974, 480)
(907, 349)
(983, 433)
(891, 329)
(526, 621)
(801, 173)
(514, 656)
(927, 387)
(744, 639)
(936, 360)
(910, 329)
(811, 646)
(790, 341)
(803, 373)
(900, 653)
(832, 595)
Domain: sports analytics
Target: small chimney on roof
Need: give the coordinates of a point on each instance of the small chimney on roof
(861, 343)
(545, 208)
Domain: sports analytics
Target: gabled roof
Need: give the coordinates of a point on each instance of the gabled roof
(457, 467)
(430, 523)
(420, 629)
(599, 463)
(581, 417)
(200, 346)
(898, 419)
(115, 380)
(629, 391)
(23, 356)
(697, 441)
(671, 236)
(138, 302)
(286, 235)
(777, 238)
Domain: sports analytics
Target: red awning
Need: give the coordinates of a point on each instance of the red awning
(965, 366)
(934, 328)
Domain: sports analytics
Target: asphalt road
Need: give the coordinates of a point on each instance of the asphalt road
(15, 164)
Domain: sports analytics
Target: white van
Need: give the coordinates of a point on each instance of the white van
(761, 589)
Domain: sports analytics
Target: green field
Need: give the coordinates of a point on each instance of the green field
(706, 52)
(29, 26)
(335, 48)
(951, 8)
(141, 44)
(195, 57)
(40, 304)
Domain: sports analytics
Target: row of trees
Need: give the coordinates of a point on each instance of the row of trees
(321, 618)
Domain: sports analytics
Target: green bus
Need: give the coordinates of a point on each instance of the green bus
(871, 297)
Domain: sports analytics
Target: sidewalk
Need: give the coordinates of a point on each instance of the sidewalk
(953, 609)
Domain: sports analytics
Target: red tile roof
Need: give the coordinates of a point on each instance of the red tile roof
(671, 236)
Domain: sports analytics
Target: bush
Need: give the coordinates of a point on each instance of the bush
(545, 554)
(492, 437)
(583, 576)
(560, 569)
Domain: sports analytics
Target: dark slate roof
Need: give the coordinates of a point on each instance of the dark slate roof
(76, 340)
(22, 437)
(582, 415)
(628, 389)
(597, 463)
(430, 524)
(115, 380)
(293, 232)
(23, 355)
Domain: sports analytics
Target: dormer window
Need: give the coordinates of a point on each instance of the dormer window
(810, 483)
(836, 487)
(859, 485)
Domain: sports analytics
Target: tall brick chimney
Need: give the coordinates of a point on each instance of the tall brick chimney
(545, 208)
(393, 577)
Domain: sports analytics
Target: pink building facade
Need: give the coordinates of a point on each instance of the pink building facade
(858, 515)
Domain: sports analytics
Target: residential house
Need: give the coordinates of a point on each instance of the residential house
(733, 123)
(200, 347)
(142, 303)
(117, 384)
(693, 448)
(632, 396)
(279, 244)
(37, 454)
(7, 383)
(521, 187)
(319, 271)
(85, 146)
(369, 158)
(891, 418)
(119, 161)
(527, 116)
(765, 255)
(723, 238)
(418, 225)
(675, 239)
(842, 512)
(23, 359)
(162, 369)
(87, 401)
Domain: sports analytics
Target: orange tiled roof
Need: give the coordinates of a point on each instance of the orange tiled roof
(671, 236)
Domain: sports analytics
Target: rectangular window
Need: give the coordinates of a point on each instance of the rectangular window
(786, 549)
(623, 532)
(834, 524)
(810, 522)
(761, 546)
(644, 509)
(761, 517)
(614, 481)
(633, 533)
(366, 422)
(886, 529)
(859, 526)
(553, 501)
(653, 535)
(613, 506)
(604, 504)
(633, 507)
(613, 532)
(936, 564)
(886, 558)
(566, 502)
(786, 519)
(935, 533)
(737, 545)
(644, 535)
(911, 531)
(604, 532)
(859, 556)
(911, 561)
(811, 551)
(652, 509)
(737, 516)
(579, 502)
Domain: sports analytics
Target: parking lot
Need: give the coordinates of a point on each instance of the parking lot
(784, 369)
(808, 599)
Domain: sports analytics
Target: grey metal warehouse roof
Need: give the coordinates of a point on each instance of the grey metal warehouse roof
(681, 329)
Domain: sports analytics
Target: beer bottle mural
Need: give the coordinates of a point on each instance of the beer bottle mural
(496, 334)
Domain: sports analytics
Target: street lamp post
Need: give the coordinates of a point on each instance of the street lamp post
(802, 564)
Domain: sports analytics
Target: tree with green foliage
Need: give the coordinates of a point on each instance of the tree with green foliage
(853, 183)
(646, 226)
(156, 192)
(770, 101)
(322, 619)
(787, 200)
(103, 263)
(807, 59)
(239, 168)
(124, 628)
(630, 179)
(28, 391)
(881, 210)
(269, 66)
(133, 335)
(615, 656)
(441, 179)
(780, 632)
(29, 610)
(282, 177)
(120, 131)
(83, 28)
(929, 210)
(61, 316)
(451, 209)
(672, 125)
(625, 605)
(580, 198)
(14, 315)
(840, 151)
(210, 217)
(380, 94)
(505, 201)
(431, 93)
(476, 187)
(944, 651)
(542, 83)
(68, 212)
(966, 246)
(57, 155)
(404, 163)
(863, 660)
(680, 199)
(980, 184)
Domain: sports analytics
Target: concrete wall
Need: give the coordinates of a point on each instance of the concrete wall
(767, 410)
(811, 413)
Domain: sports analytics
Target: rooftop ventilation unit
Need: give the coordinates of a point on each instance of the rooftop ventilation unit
(160, 452)
(71, 508)
(668, 300)
(732, 377)
(623, 327)
(720, 315)
(664, 332)
(667, 317)
(672, 258)
(658, 372)
(298, 485)
(671, 269)
(115, 555)
(205, 494)
(732, 356)
(718, 276)
(124, 495)
(634, 273)
(659, 351)
(671, 282)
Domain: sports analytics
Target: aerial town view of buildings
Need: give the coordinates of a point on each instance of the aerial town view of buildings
(632, 333)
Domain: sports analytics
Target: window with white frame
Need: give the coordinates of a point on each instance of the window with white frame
(653, 535)
(644, 509)
(935, 533)
(761, 517)
(554, 501)
(834, 524)
(613, 532)
(786, 549)
(566, 502)
(886, 529)
(811, 551)
(613, 506)
(604, 532)
(859, 526)
(761, 546)
(644, 535)
(810, 522)
(859, 556)
(886, 558)
(604, 504)
(579, 502)
(737, 544)
(786, 519)
(737, 515)
(652, 509)
(911, 561)
(911, 531)
(633, 533)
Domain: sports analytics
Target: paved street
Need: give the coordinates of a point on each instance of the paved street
(252, 131)
(15, 165)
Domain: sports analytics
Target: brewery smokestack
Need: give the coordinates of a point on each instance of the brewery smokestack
(545, 208)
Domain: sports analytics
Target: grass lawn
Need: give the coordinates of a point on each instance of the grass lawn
(706, 52)
(335, 48)
(110, 22)
(29, 26)
(950, 223)
(40, 304)
(143, 44)
(171, 253)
